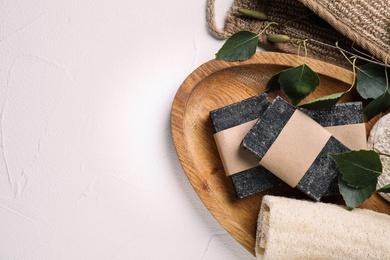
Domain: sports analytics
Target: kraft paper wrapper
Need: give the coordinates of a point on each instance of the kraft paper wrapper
(234, 157)
(352, 136)
(295, 148)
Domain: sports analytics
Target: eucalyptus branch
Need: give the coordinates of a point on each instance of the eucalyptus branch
(300, 43)
(384, 154)
(345, 56)
(266, 27)
(367, 55)
(354, 74)
(336, 47)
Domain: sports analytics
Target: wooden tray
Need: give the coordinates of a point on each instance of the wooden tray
(219, 83)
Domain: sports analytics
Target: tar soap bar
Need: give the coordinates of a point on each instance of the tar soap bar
(231, 124)
(345, 122)
(295, 148)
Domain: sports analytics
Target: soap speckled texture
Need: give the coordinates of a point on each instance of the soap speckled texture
(265, 131)
(340, 114)
(322, 172)
(256, 179)
(239, 112)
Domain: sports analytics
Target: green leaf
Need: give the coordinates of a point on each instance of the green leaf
(378, 105)
(323, 103)
(385, 188)
(273, 83)
(297, 83)
(240, 46)
(359, 168)
(371, 80)
(353, 197)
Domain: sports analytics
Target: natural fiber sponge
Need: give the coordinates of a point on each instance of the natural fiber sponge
(298, 229)
(379, 139)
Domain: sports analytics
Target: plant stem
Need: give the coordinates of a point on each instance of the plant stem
(265, 28)
(384, 154)
(350, 53)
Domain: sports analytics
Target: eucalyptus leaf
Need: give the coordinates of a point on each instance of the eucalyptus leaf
(371, 80)
(323, 103)
(297, 83)
(359, 168)
(240, 46)
(273, 83)
(385, 188)
(353, 197)
(378, 105)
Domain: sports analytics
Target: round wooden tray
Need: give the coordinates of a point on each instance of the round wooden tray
(219, 83)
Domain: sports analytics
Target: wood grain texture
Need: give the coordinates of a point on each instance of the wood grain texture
(219, 83)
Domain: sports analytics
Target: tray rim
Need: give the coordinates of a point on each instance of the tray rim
(206, 70)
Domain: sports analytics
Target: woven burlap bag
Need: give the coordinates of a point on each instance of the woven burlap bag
(356, 25)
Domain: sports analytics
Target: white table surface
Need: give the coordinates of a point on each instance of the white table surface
(88, 168)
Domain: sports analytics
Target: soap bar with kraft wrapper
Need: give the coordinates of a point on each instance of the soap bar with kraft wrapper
(344, 121)
(295, 148)
(231, 124)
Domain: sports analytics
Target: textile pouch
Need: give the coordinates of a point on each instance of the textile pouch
(352, 24)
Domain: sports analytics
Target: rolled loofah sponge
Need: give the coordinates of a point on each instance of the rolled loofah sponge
(298, 229)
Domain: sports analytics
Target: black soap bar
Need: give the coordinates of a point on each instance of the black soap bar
(239, 112)
(321, 173)
(340, 114)
(255, 179)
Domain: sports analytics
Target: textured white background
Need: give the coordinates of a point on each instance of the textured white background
(87, 165)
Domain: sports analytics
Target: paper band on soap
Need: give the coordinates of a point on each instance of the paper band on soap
(295, 148)
(352, 136)
(234, 157)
